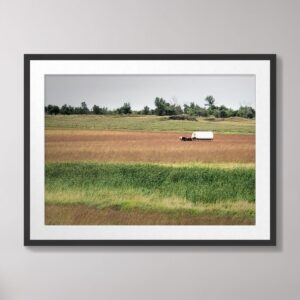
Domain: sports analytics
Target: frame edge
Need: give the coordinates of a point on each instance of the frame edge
(29, 242)
(26, 150)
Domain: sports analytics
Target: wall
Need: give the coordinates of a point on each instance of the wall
(141, 26)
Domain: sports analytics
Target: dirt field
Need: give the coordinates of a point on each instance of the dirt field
(120, 146)
(81, 215)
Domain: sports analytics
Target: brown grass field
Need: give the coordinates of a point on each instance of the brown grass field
(82, 215)
(152, 147)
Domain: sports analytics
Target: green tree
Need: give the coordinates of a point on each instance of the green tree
(223, 111)
(163, 108)
(84, 109)
(99, 110)
(216, 112)
(175, 109)
(125, 109)
(53, 109)
(77, 111)
(160, 106)
(66, 110)
(210, 101)
(146, 110)
(49, 109)
(195, 110)
(96, 110)
(246, 112)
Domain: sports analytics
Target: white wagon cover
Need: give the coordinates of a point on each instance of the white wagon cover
(203, 135)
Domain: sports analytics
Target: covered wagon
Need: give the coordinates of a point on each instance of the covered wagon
(203, 135)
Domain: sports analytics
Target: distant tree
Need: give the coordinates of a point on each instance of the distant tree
(246, 112)
(234, 113)
(202, 112)
(185, 108)
(84, 108)
(49, 109)
(103, 110)
(251, 114)
(194, 110)
(146, 110)
(125, 109)
(113, 112)
(223, 114)
(77, 110)
(52, 109)
(67, 110)
(223, 111)
(231, 112)
(99, 110)
(210, 101)
(64, 110)
(96, 110)
(161, 106)
(55, 109)
(164, 108)
(177, 109)
(216, 112)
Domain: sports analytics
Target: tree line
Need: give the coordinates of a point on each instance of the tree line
(162, 108)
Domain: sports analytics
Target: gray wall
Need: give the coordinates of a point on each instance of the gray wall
(143, 26)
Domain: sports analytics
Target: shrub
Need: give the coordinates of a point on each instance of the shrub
(183, 117)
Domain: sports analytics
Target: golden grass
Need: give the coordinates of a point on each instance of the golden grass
(130, 198)
(109, 206)
(152, 147)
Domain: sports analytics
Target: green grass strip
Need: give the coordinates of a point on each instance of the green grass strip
(195, 184)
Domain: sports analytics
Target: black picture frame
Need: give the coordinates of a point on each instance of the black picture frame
(31, 242)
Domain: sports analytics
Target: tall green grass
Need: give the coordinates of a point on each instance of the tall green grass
(195, 184)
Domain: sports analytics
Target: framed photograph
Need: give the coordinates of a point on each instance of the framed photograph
(150, 149)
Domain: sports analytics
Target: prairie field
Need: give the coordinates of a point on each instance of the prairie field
(151, 123)
(114, 170)
(121, 146)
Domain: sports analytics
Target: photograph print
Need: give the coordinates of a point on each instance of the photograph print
(149, 150)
